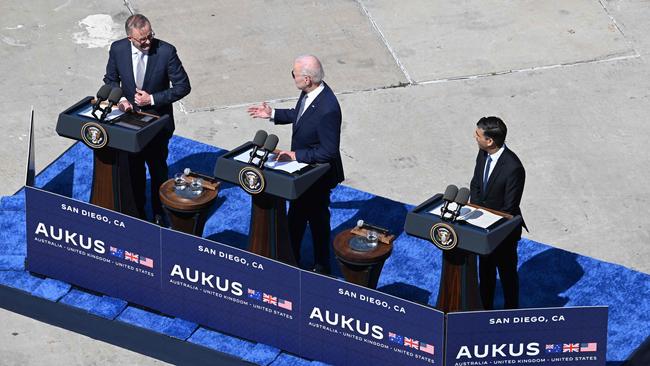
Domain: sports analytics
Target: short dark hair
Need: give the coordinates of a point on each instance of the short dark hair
(494, 128)
(135, 21)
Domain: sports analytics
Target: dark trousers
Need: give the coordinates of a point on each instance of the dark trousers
(154, 156)
(504, 258)
(313, 208)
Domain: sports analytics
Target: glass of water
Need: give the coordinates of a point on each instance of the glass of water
(197, 186)
(372, 236)
(179, 182)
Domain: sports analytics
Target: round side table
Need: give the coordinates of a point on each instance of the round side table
(362, 268)
(187, 214)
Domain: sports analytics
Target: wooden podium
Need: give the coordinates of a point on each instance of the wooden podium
(269, 232)
(111, 142)
(459, 289)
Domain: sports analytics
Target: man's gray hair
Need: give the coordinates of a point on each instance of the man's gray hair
(135, 21)
(311, 67)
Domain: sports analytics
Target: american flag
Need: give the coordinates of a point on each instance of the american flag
(411, 343)
(131, 257)
(428, 348)
(395, 338)
(270, 299)
(255, 295)
(553, 348)
(117, 252)
(570, 347)
(147, 262)
(285, 304)
(588, 347)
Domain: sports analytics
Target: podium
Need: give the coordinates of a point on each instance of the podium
(458, 290)
(111, 142)
(269, 231)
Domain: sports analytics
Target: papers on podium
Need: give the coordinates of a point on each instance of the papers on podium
(87, 112)
(286, 166)
(475, 216)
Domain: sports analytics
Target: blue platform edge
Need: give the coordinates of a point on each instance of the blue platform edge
(549, 276)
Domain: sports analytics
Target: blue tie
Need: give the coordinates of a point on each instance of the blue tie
(486, 175)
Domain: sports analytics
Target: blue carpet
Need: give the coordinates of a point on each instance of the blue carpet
(549, 276)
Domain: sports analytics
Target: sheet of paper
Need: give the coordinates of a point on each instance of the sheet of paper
(87, 112)
(271, 163)
(475, 216)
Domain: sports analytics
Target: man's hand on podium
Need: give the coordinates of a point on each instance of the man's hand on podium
(124, 105)
(260, 111)
(286, 155)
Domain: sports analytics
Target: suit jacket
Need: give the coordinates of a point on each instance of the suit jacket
(505, 185)
(316, 136)
(165, 78)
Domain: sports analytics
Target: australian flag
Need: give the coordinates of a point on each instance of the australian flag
(553, 348)
(117, 252)
(395, 338)
(255, 295)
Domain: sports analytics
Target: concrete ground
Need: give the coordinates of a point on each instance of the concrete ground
(566, 76)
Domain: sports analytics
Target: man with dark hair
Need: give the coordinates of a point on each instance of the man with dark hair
(152, 78)
(316, 137)
(498, 183)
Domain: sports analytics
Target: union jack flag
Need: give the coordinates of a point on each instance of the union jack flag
(270, 299)
(133, 257)
(570, 347)
(411, 343)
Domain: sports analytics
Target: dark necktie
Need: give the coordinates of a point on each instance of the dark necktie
(301, 110)
(486, 174)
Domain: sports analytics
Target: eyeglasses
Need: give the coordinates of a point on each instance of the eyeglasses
(293, 75)
(149, 37)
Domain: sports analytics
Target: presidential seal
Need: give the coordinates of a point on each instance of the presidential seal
(443, 236)
(252, 180)
(94, 135)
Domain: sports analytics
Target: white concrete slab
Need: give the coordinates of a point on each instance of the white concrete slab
(448, 39)
(241, 52)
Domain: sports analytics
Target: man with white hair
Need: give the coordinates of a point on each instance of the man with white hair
(316, 137)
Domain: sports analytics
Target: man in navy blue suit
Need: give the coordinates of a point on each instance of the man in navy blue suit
(316, 137)
(498, 183)
(152, 78)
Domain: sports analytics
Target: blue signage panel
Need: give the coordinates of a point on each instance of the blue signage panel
(551, 336)
(346, 324)
(231, 290)
(92, 247)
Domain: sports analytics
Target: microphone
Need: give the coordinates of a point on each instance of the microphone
(258, 141)
(102, 94)
(113, 99)
(461, 200)
(450, 194)
(269, 145)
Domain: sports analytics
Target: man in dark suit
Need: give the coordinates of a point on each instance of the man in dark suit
(316, 136)
(498, 183)
(152, 78)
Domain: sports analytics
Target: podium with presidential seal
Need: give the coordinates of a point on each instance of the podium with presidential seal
(461, 231)
(253, 167)
(112, 136)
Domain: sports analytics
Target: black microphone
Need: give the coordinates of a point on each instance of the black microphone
(269, 145)
(113, 99)
(258, 141)
(102, 94)
(461, 200)
(450, 194)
